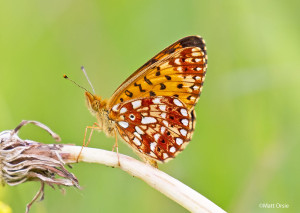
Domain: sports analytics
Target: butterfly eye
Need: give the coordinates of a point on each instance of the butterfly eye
(132, 117)
(96, 105)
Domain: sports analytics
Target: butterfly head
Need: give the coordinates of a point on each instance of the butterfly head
(94, 102)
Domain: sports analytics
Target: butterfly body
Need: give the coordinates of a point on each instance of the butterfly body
(153, 110)
(98, 108)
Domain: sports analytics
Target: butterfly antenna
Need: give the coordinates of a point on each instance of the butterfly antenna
(83, 70)
(66, 77)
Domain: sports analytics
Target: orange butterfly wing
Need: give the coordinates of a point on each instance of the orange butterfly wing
(179, 71)
(154, 108)
(157, 127)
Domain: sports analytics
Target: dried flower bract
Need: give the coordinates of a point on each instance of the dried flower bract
(26, 160)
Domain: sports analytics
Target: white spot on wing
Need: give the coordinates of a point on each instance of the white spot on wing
(136, 104)
(137, 135)
(148, 120)
(165, 155)
(162, 129)
(162, 107)
(195, 87)
(185, 122)
(177, 102)
(198, 69)
(163, 115)
(198, 59)
(115, 107)
(179, 141)
(123, 110)
(197, 78)
(123, 124)
(138, 129)
(156, 101)
(165, 123)
(183, 132)
(137, 141)
(183, 112)
(152, 146)
(156, 136)
(196, 54)
(177, 61)
(180, 69)
(172, 149)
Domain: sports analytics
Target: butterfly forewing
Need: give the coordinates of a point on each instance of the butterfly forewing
(158, 127)
(178, 71)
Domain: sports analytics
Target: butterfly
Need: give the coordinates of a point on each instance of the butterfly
(153, 109)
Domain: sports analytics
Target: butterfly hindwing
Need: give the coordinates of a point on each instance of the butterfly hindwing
(159, 127)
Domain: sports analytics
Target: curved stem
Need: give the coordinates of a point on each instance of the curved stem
(169, 186)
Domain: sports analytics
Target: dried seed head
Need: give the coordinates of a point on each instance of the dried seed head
(26, 160)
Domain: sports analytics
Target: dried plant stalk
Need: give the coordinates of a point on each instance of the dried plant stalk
(25, 160)
(169, 186)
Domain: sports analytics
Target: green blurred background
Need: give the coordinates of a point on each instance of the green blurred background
(245, 150)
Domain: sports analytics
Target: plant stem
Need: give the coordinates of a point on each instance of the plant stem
(169, 186)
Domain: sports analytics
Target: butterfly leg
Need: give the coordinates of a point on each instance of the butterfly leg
(148, 160)
(116, 146)
(152, 163)
(95, 126)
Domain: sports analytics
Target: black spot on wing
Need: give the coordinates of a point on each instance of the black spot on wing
(193, 41)
(152, 93)
(193, 117)
(128, 93)
(168, 77)
(147, 80)
(140, 87)
(162, 86)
